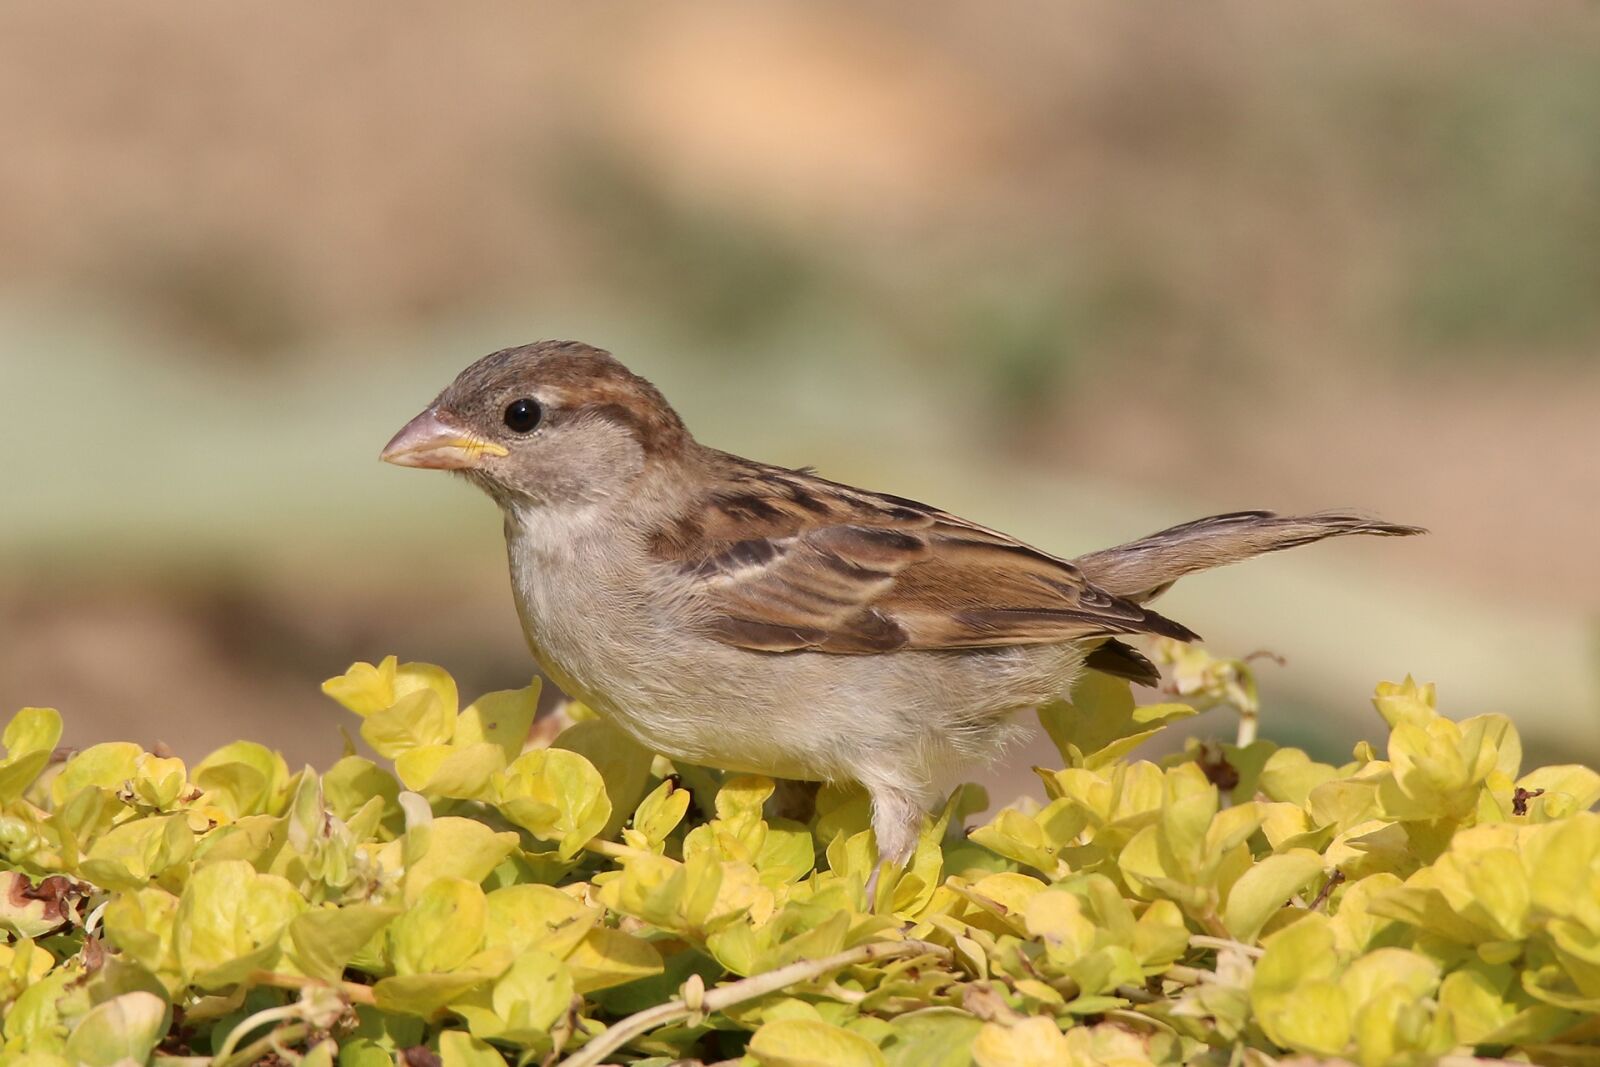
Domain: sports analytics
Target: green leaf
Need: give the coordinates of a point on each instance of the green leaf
(1315, 1020)
(363, 1052)
(320, 1055)
(1290, 775)
(143, 926)
(1475, 998)
(1056, 917)
(34, 1018)
(1573, 787)
(1296, 996)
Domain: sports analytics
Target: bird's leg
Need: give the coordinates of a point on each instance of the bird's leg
(896, 823)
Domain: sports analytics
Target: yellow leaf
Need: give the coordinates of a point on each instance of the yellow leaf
(451, 847)
(326, 940)
(1265, 888)
(808, 1043)
(458, 1049)
(556, 796)
(1101, 714)
(124, 1029)
(1056, 918)
(623, 765)
(364, 688)
(502, 718)
(106, 765)
(1405, 702)
(607, 957)
(425, 677)
(441, 930)
(531, 995)
(29, 740)
(459, 771)
(419, 718)
(522, 917)
(1032, 1042)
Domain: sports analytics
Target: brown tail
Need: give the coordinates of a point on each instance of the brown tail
(1142, 570)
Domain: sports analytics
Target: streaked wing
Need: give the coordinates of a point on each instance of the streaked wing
(785, 561)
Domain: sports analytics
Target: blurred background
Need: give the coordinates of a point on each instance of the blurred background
(1075, 275)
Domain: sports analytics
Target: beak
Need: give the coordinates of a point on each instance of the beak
(430, 441)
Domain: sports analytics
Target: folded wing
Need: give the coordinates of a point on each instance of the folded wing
(791, 562)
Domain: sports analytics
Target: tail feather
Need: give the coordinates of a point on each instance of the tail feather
(1141, 570)
(1123, 661)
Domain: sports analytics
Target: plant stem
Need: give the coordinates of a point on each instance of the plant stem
(1187, 975)
(261, 1046)
(612, 849)
(757, 985)
(1207, 941)
(259, 1019)
(354, 992)
(1134, 995)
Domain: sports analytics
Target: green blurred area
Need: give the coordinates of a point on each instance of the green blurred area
(1074, 274)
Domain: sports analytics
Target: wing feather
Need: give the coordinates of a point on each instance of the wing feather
(784, 561)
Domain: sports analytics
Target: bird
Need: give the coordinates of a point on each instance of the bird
(762, 619)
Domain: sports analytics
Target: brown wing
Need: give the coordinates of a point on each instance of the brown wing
(786, 561)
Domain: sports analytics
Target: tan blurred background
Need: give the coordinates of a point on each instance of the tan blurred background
(1076, 273)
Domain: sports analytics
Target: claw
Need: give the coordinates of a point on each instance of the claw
(872, 887)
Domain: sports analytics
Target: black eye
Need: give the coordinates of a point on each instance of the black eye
(523, 415)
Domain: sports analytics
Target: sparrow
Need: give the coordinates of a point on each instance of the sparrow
(761, 619)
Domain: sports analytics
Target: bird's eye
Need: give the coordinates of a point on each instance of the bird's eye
(523, 415)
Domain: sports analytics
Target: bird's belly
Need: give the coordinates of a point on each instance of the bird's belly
(810, 715)
(683, 705)
(801, 715)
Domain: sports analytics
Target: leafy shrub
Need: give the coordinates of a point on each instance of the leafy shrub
(580, 901)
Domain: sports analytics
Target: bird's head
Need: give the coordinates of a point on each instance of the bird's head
(551, 423)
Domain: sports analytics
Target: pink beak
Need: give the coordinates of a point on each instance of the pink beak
(430, 441)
